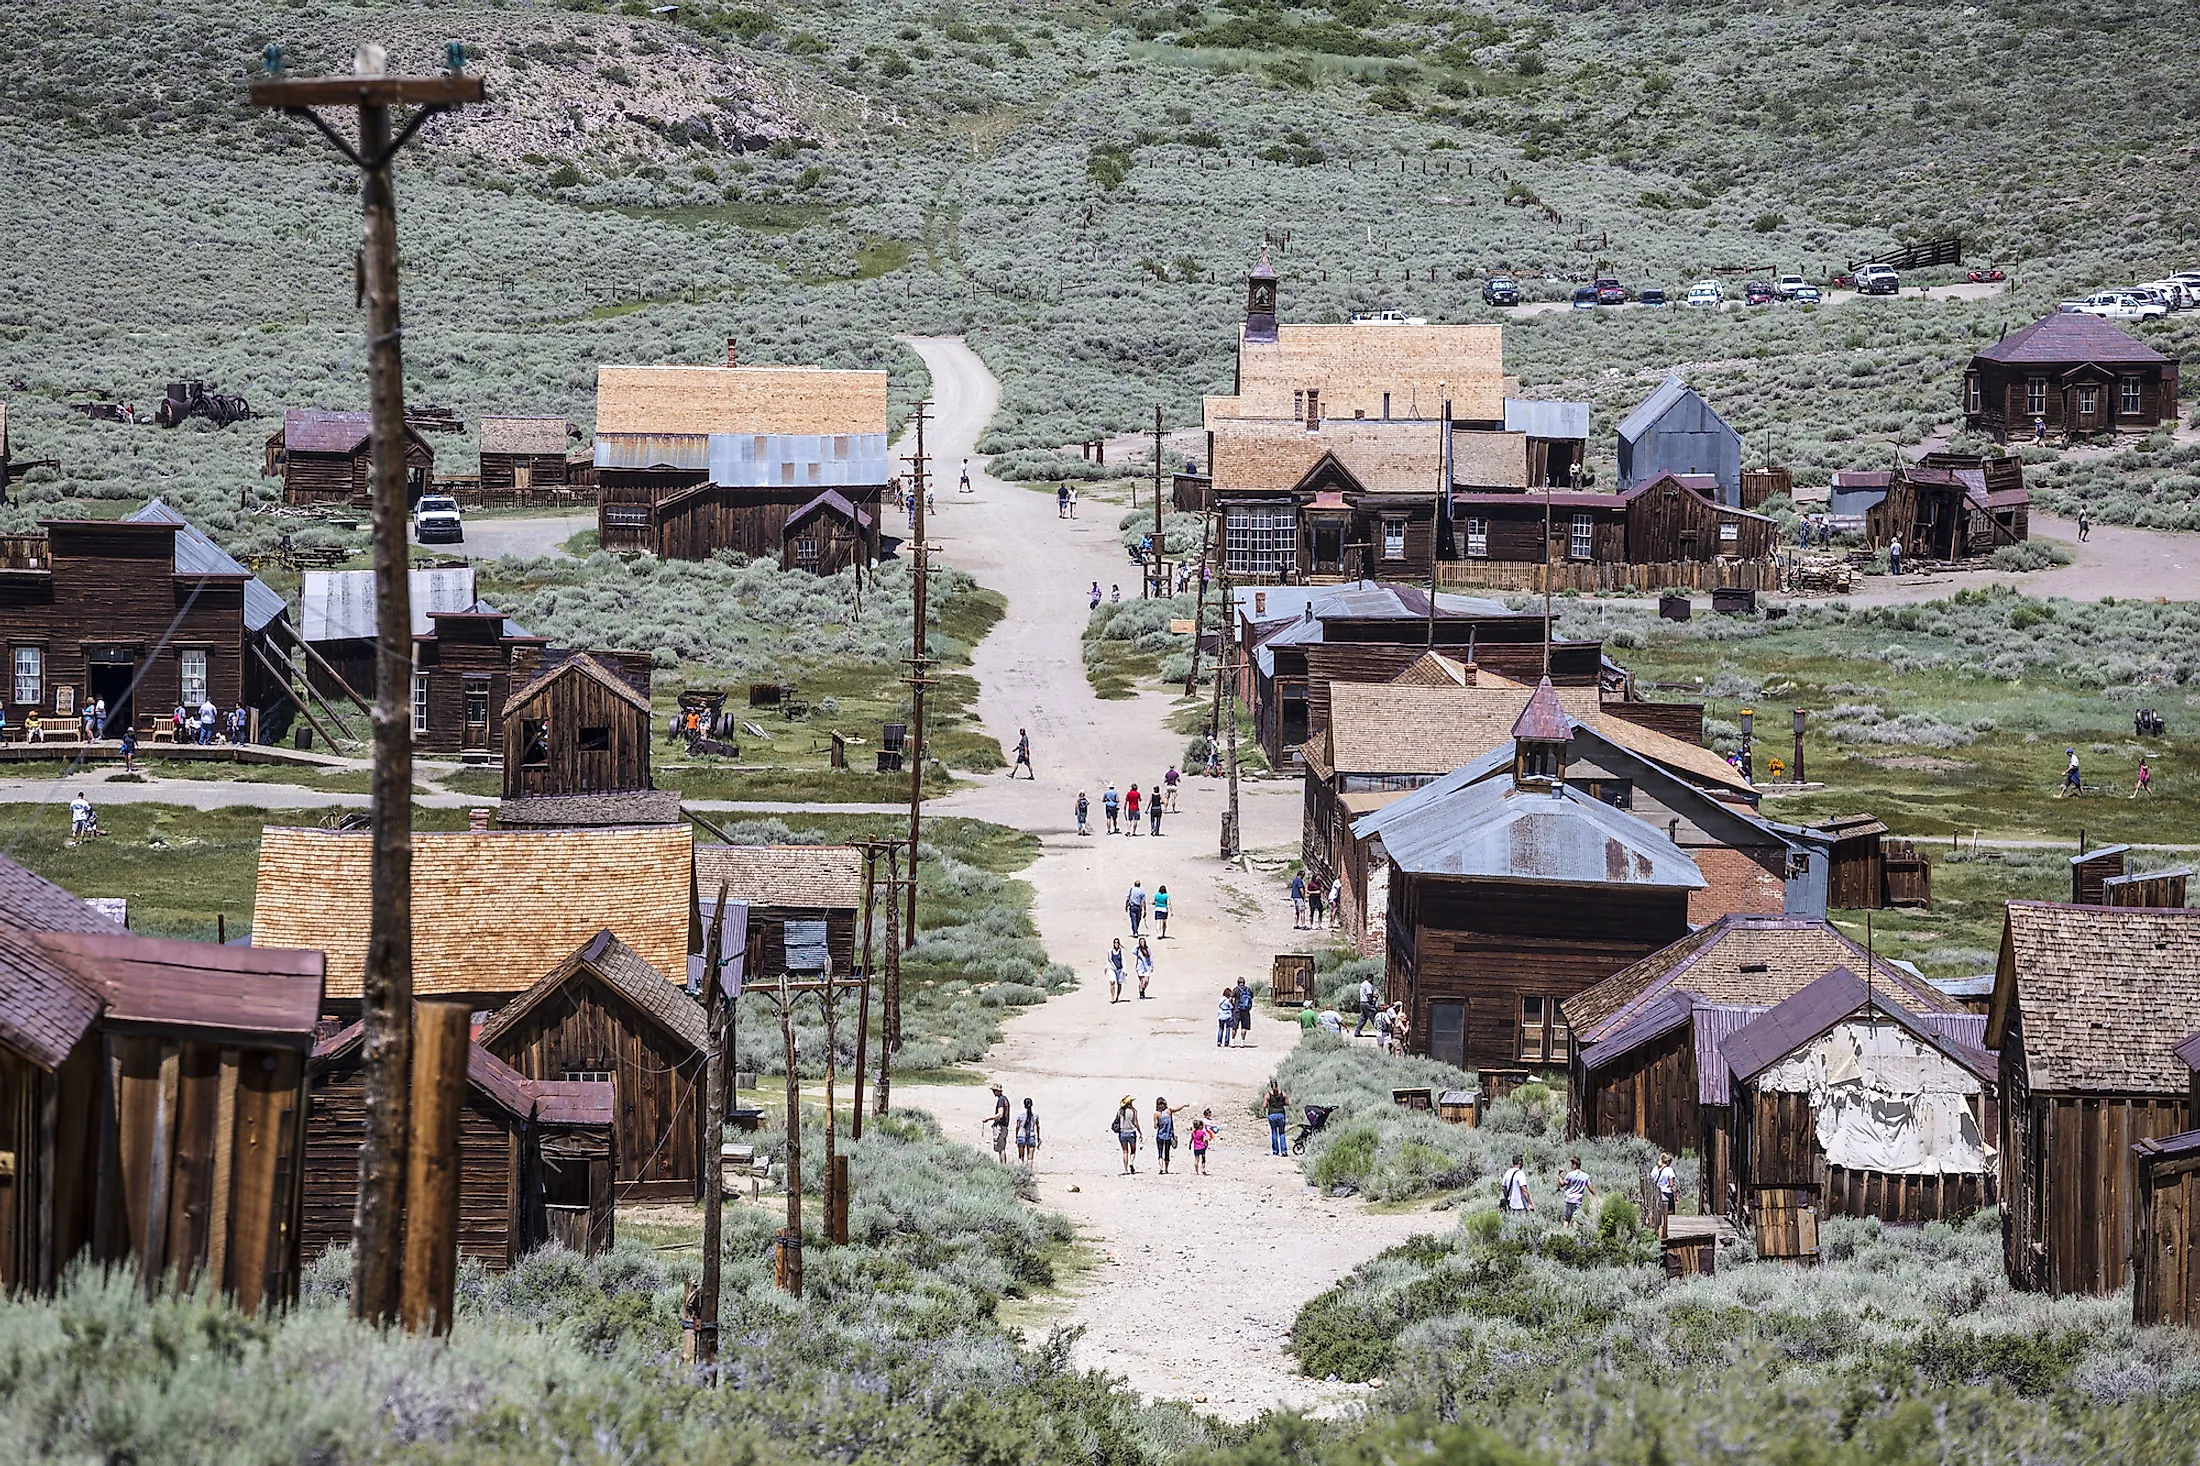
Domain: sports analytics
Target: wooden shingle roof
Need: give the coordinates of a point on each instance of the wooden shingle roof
(760, 399)
(530, 435)
(2106, 994)
(1395, 728)
(808, 876)
(1434, 669)
(492, 910)
(625, 971)
(2069, 337)
(46, 1002)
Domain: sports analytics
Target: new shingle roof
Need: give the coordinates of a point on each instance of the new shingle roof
(198, 555)
(1741, 960)
(2070, 337)
(1434, 669)
(492, 910)
(625, 971)
(1816, 1009)
(808, 876)
(2106, 994)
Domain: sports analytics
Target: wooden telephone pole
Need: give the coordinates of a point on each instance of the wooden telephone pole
(1226, 669)
(386, 993)
(889, 1024)
(1157, 573)
(1199, 609)
(920, 663)
(715, 1008)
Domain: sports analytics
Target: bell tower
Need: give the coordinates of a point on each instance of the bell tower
(1260, 300)
(1540, 736)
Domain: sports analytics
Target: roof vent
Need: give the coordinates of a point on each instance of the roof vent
(1756, 967)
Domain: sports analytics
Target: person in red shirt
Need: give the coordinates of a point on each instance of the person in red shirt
(1130, 808)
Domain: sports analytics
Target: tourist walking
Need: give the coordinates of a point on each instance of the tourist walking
(1061, 501)
(1153, 810)
(1336, 899)
(1115, 972)
(1298, 900)
(1134, 906)
(1169, 781)
(1161, 912)
(1095, 596)
(1278, 1107)
(1130, 808)
(1664, 1182)
(1512, 1189)
(1084, 814)
(1128, 1132)
(1115, 595)
(1242, 998)
(1023, 755)
(965, 487)
(1144, 963)
(2073, 782)
(1894, 555)
(1225, 1018)
(999, 1121)
(2145, 785)
(1111, 803)
(1073, 501)
(1315, 891)
(1164, 1130)
(1573, 1189)
(80, 816)
(1382, 1030)
(1367, 1007)
(1027, 1135)
(129, 750)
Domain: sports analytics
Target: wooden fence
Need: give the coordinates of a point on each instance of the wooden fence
(1610, 576)
(1906, 1199)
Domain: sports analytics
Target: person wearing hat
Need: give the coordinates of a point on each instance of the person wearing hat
(999, 1121)
(1308, 1018)
(2072, 783)
(1127, 1132)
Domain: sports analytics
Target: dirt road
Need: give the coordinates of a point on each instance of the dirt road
(1200, 1276)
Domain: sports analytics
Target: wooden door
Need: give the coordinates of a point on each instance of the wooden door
(477, 714)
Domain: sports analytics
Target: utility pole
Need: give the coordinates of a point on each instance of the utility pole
(714, 1151)
(1436, 521)
(387, 987)
(1228, 672)
(790, 1236)
(863, 1000)
(889, 1024)
(1547, 564)
(1199, 610)
(1157, 574)
(920, 662)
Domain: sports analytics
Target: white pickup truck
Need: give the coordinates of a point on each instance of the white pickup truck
(2116, 305)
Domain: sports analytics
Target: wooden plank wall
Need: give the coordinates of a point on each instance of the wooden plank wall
(547, 471)
(839, 545)
(1907, 1200)
(1611, 575)
(2164, 1258)
(1857, 881)
(1682, 720)
(2088, 1195)
(572, 704)
(1651, 1093)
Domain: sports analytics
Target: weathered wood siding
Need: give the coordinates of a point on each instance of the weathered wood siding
(545, 471)
(1650, 1092)
(1669, 523)
(748, 520)
(1682, 720)
(1612, 575)
(597, 743)
(2165, 1262)
(1905, 1200)
(469, 653)
(834, 543)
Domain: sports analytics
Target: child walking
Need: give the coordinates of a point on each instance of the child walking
(1027, 1134)
(1203, 1135)
(1145, 966)
(1161, 912)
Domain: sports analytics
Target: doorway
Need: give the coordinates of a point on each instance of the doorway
(111, 679)
(1328, 549)
(477, 715)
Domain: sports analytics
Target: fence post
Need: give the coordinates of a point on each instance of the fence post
(440, 1044)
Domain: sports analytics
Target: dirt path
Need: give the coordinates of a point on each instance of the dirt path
(2113, 560)
(1200, 1276)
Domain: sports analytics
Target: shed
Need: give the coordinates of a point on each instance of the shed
(581, 725)
(1858, 877)
(827, 535)
(2158, 888)
(493, 910)
(326, 457)
(2090, 1003)
(521, 455)
(504, 1183)
(2091, 870)
(336, 617)
(606, 1015)
(1557, 435)
(150, 1091)
(788, 884)
(1674, 430)
(1846, 1104)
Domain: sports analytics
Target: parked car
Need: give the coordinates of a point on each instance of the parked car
(1987, 276)
(2116, 305)
(1806, 295)
(1585, 298)
(1652, 295)
(435, 518)
(1501, 290)
(1609, 292)
(1877, 280)
(1757, 292)
(2165, 299)
(1707, 292)
(1788, 286)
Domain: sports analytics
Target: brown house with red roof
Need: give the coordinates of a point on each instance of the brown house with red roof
(326, 457)
(1661, 520)
(2069, 372)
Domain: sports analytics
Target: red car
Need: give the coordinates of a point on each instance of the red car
(1757, 292)
(1609, 292)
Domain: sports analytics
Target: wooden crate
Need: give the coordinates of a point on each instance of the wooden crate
(1787, 1223)
(1460, 1107)
(1690, 1246)
(1414, 1097)
(1291, 979)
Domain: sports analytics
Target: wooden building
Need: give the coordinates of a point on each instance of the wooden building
(463, 674)
(1556, 436)
(799, 896)
(693, 460)
(581, 725)
(1508, 896)
(1858, 878)
(145, 612)
(1660, 520)
(150, 1097)
(2069, 372)
(493, 910)
(1295, 641)
(518, 1149)
(2090, 1003)
(605, 1015)
(2165, 1248)
(1646, 1058)
(328, 458)
(1674, 431)
(828, 535)
(1845, 1103)
(523, 456)
(336, 620)
(1952, 506)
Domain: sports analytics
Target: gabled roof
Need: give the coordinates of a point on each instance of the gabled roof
(833, 502)
(2071, 337)
(1434, 669)
(1394, 728)
(1329, 468)
(828, 877)
(1651, 1022)
(530, 435)
(1690, 760)
(1670, 392)
(255, 995)
(318, 430)
(1815, 1010)
(2106, 993)
(46, 1002)
(198, 555)
(578, 664)
(492, 910)
(340, 605)
(498, 1082)
(622, 969)
(1495, 831)
(1744, 959)
(1542, 720)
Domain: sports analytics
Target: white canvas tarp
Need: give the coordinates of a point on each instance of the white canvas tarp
(1886, 1102)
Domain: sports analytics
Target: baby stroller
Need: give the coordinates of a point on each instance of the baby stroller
(1316, 1117)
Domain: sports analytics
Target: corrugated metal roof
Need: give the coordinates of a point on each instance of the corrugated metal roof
(1651, 408)
(1540, 419)
(1713, 1024)
(340, 605)
(198, 555)
(1499, 832)
(687, 452)
(798, 460)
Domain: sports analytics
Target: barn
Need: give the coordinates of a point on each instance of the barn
(2090, 1003)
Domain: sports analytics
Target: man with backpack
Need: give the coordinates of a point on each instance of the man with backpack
(1512, 1189)
(1111, 805)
